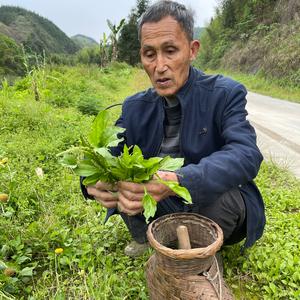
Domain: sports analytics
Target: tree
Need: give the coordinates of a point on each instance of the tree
(128, 44)
(103, 51)
(115, 29)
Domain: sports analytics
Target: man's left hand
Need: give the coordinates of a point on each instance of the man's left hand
(131, 194)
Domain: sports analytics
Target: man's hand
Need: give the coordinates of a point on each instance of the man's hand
(104, 193)
(131, 194)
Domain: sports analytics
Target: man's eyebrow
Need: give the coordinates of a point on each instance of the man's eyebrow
(168, 43)
(147, 47)
(164, 44)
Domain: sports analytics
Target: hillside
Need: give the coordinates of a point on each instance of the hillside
(11, 63)
(36, 33)
(83, 41)
(255, 37)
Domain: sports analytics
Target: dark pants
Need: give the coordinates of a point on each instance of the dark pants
(228, 211)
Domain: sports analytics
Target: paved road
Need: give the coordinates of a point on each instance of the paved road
(277, 124)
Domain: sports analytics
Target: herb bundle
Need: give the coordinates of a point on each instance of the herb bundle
(93, 160)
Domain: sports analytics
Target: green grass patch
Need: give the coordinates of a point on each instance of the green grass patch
(46, 212)
(261, 85)
(270, 269)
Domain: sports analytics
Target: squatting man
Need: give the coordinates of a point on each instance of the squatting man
(194, 116)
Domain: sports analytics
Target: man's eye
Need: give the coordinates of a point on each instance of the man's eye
(149, 54)
(171, 50)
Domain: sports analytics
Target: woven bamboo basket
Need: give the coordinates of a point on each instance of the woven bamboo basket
(190, 274)
(206, 239)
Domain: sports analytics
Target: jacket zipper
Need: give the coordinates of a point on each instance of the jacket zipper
(157, 151)
(181, 129)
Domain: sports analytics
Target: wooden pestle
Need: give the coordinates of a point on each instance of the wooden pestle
(183, 237)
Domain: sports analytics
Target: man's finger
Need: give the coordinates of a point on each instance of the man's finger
(104, 195)
(107, 204)
(130, 195)
(131, 186)
(129, 212)
(106, 186)
(129, 204)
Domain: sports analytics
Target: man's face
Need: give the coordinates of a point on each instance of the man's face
(166, 54)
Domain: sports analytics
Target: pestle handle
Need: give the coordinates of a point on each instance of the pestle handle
(183, 237)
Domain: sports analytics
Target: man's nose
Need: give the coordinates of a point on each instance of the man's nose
(161, 65)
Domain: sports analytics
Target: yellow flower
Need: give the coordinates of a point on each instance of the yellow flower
(3, 161)
(59, 251)
(3, 198)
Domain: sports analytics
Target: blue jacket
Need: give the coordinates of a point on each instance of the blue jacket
(217, 142)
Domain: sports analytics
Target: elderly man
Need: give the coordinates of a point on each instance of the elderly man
(191, 115)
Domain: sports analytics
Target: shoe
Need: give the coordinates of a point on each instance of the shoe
(134, 249)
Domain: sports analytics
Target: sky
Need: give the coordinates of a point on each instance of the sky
(88, 17)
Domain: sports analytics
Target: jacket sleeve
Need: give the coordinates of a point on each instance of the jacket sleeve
(236, 163)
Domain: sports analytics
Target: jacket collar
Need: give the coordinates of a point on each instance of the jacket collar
(181, 94)
(186, 87)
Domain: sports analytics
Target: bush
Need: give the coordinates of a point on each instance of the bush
(11, 62)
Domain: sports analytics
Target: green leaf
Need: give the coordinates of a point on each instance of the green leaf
(26, 271)
(98, 127)
(106, 155)
(125, 160)
(177, 189)
(137, 155)
(91, 180)
(103, 135)
(171, 164)
(86, 168)
(152, 162)
(149, 205)
(68, 160)
(111, 136)
(141, 175)
(2, 265)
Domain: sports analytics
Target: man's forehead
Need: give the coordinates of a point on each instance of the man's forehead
(164, 25)
(163, 30)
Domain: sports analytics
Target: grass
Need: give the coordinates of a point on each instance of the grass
(261, 85)
(47, 212)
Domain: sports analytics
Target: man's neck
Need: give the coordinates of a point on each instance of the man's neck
(171, 101)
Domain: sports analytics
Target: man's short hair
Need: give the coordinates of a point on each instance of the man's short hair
(165, 8)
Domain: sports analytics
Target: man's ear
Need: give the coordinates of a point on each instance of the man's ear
(194, 49)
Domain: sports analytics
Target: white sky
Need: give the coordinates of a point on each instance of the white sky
(88, 17)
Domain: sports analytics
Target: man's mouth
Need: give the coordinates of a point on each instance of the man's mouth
(163, 81)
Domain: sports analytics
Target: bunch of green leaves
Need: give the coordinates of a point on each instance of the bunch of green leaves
(94, 161)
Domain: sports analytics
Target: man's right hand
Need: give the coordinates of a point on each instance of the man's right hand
(104, 193)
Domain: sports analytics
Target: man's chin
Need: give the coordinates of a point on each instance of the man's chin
(165, 92)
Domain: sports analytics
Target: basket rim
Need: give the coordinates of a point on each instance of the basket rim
(202, 252)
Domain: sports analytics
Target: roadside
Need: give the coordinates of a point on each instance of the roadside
(277, 123)
(263, 86)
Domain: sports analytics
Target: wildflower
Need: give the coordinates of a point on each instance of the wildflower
(3, 198)
(39, 172)
(3, 161)
(59, 251)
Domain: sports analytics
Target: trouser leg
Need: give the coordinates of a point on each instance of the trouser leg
(137, 225)
(228, 211)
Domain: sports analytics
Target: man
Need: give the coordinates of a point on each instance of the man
(191, 115)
